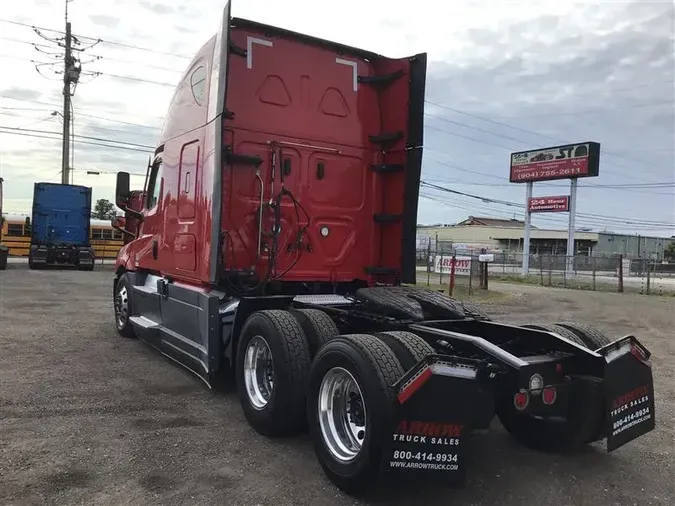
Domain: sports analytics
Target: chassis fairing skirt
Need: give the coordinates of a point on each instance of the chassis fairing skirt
(436, 407)
(629, 391)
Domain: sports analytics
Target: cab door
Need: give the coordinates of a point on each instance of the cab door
(147, 251)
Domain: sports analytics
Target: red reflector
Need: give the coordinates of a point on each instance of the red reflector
(521, 400)
(549, 395)
(637, 353)
(558, 368)
(408, 390)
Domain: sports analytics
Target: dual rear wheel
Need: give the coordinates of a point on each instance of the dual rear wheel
(294, 372)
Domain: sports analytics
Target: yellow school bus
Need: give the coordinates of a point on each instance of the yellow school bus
(105, 240)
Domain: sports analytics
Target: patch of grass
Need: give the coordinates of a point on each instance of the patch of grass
(576, 284)
(557, 282)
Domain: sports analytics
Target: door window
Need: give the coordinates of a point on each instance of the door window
(154, 184)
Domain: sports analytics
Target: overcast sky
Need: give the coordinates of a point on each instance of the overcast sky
(503, 76)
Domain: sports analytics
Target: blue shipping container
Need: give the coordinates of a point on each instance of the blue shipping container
(61, 214)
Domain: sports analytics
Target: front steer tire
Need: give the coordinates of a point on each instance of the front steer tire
(374, 367)
(284, 411)
(123, 306)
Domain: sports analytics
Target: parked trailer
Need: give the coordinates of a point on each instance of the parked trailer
(60, 226)
(277, 241)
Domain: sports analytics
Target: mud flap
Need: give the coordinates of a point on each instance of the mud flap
(436, 404)
(629, 391)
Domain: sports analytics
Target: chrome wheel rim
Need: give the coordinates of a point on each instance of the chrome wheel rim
(122, 306)
(258, 372)
(342, 414)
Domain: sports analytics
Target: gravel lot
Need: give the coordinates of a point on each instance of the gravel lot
(90, 418)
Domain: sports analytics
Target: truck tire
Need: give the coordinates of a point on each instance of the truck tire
(350, 431)
(409, 302)
(409, 348)
(389, 302)
(271, 371)
(592, 338)
(566, 333)
(123, 304)
(475, 311)
(436, 303)
(318, 327)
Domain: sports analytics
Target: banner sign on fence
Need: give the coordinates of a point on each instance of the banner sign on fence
(556, 204)
(486, 257)
(559, 162)
(443, 265)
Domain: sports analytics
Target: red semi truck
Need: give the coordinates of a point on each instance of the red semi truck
(277, 243)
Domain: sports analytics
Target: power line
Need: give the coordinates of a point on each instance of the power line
(582, 222)
(603, 109)
(79, 136)
(499, 178)
(95, 73)
(79, 112)
(131, 78)
(531, 132)
(585, 222)
(100, 40)
(519, 205)
(97, 56)
(88, 143)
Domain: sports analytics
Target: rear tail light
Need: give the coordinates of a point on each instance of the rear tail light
(521, 400)
(548, 395)
(637, 352)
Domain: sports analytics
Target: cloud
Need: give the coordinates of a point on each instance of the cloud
(508, 76)
(157, 7)
(19, 93)
(103, 20)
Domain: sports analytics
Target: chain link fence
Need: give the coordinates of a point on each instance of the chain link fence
(451, 270)
(614, 273)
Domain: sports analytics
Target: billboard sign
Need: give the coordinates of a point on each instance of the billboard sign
(558, 162)
(558, 204)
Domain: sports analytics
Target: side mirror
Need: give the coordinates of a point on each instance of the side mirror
(122, 195)
(122, 190)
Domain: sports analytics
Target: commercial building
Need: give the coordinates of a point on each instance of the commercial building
(506, 235)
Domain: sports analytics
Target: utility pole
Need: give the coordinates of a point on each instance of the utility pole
(68, 75)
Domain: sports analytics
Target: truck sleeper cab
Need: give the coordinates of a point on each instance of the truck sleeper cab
(276, 242)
